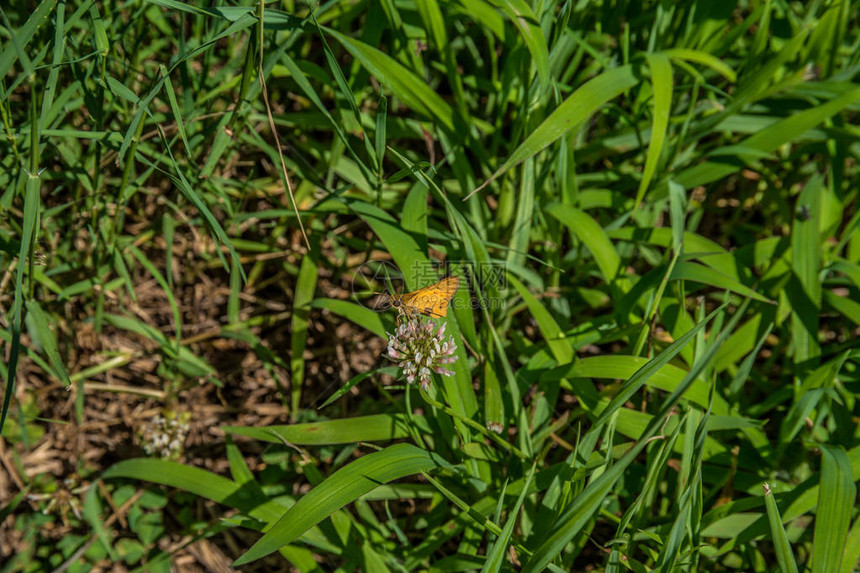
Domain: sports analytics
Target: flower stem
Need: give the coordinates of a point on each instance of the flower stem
(481, 519)
(473, 424)
(413, 427)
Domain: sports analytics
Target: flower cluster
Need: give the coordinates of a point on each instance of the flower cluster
(420, 349)
(165, 435)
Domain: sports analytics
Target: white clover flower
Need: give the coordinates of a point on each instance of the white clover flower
(165, 436)
(420, 349)
(495, 427)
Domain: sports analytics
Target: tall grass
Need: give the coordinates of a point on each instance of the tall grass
(655, 204)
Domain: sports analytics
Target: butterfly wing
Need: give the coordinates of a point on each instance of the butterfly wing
(432, 300)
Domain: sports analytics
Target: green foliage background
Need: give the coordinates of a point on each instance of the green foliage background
(671, 188)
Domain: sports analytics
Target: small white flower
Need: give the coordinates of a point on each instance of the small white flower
(420, 349)
(165, 436)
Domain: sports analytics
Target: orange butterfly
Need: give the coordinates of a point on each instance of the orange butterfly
(430, 301)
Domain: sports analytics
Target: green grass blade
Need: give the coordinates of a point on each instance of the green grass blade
(661, 85)
(174, 107)
(527, 25)
(434, 21)
(519, 243)
(405, 250)
(587, 503)
(594, 237)
(303, 295)
(699, 57)
(553, 335)
(642, 375)
(168, 292)
(354, 381)
(23, 36)
(92, 513)
(851, 557)
(804, 290)
(339, 489)
(363, 317)
(57, 58)
(197, 481)
(836, 502)
(575, 110)
(304, 83)
(768, 139)
(496, 554)
(689, 271)
(32, 203)
(376, 428)
(400, 81)
(41, 323)
(781, 545)
(346, 93)
(849, 308)
(413, 217)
